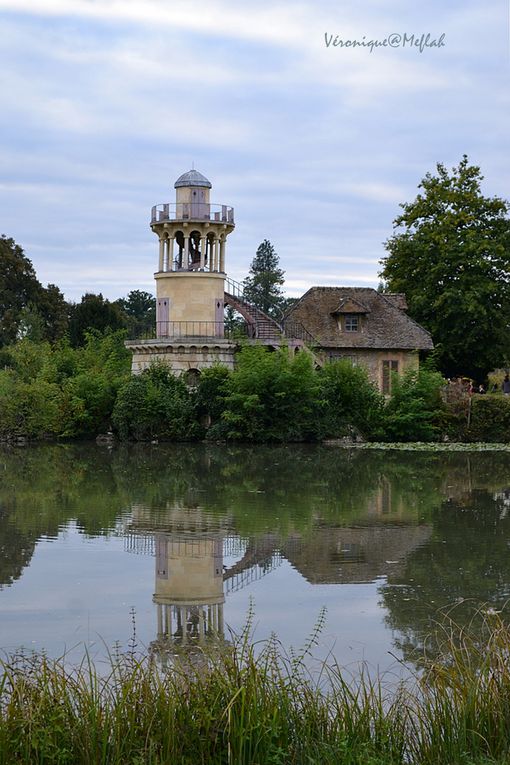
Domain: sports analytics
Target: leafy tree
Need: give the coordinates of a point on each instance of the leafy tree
(415, 410)
(93, 312)
(273, 396)
(27, 309)
(350, 401)
(18, 288)
(451, 256)
(262, 286)
(53, 310)
(155, 404)
(139, 308)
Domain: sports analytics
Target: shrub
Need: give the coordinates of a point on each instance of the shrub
(350, 402)
(415, 411)
(29, 409)
(210, 394)
(490, 419)
(155, 404)
(273, 396)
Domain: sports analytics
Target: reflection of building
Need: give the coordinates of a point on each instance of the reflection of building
(333, 555)
(189, 588)
(191, 578)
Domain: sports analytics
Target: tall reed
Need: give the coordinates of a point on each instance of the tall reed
(249, 704)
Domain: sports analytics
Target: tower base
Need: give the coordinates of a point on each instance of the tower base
(181, 356)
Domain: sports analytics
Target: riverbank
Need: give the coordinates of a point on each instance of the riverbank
(61, 392)
(244, 705)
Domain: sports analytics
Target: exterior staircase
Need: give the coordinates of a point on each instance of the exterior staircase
(260, 325)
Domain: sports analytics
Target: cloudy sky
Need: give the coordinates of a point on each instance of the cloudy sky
(104, 103)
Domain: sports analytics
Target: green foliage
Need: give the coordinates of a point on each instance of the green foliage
(414, 411)
(209, 397)
(351, 403)
(451, 257)
(93, 313)
(155, 405)
(60, 390)
(272, 396)
(27, 408)
(139, 308)
(490, 419)
(27, 309)
(262, 286)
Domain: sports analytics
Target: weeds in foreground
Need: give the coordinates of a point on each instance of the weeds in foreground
(252, 705)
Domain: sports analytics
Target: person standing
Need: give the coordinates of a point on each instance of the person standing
(506, 385)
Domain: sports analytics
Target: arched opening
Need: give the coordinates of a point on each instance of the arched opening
(194, 250)
(192, 377)
(178, 255)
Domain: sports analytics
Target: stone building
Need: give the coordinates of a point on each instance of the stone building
(192, 288)
(364, 326)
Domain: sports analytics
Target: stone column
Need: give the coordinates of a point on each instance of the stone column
(222, 256)
(170, 254)
(203, 245)
(185, 257)
(160, 621)
(161, 253)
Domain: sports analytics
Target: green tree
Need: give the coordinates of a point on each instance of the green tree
(139, 308)
(450, 254)
(155, 404)
(93, 312)
(27, 309)
(19, 288)
(351, 403)
(262, 286)
(272, 396)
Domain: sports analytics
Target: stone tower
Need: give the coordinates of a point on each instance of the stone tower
(190, 281)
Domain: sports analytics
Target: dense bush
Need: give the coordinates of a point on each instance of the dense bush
(490, 419)
(351, 404)
(272, 396)
(415, 410)
(155, 404)
(61, 391)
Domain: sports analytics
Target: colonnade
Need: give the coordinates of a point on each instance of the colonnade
(209, 249)
(186, 622)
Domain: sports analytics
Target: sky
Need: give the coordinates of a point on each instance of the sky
(105, 103)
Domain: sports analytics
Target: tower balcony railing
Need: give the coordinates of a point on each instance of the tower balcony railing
(192, 211)
(194, 331)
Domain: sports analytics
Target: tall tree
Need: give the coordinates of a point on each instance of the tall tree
(450, 254)
(26, 307)
(262, 286)
(19, 288)
(93, 312)
(139, 308)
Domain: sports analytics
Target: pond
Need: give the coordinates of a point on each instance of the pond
(171, 546)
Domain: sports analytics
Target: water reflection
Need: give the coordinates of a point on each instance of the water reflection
(422, 530)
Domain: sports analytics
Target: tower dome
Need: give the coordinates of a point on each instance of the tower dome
(192, 178)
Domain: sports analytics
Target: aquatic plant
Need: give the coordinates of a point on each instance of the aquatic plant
(250, 704)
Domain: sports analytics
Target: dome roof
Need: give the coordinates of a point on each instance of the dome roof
(192, 178)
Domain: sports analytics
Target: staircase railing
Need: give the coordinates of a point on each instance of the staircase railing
(237, 290)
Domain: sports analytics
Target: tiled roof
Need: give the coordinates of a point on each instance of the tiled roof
(385, 325)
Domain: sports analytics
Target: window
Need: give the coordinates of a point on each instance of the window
(351, 323)
(387, 368)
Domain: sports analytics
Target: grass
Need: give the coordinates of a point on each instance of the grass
(248, 705)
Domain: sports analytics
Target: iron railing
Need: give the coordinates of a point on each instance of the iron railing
(188, 211)
(207, 330)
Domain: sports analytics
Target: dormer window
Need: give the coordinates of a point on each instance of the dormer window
(351, 322)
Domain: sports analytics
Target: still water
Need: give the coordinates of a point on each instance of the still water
(182, 541)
